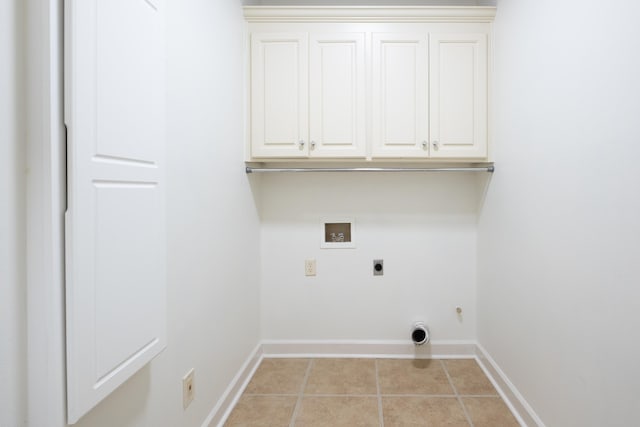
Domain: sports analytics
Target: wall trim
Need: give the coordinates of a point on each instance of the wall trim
(453, 349)
(229, 398)
(510, 394)
(369, 13)
(46, 199)
(368, 349)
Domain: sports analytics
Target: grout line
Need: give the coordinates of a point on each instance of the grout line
(483, 396)
(339, 395)
(450, 396)
(441, 396)
(271, 394)
(296, 409)
(455, 390)
(380, 411)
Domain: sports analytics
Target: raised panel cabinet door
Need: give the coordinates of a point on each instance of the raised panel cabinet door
(279, 95)
(458, 95)
(337, 95)
(400, 95)
(115, 219)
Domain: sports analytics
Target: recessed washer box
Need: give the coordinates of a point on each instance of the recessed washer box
(337, 233)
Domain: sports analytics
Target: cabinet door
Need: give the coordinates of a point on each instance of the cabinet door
(115, 224)
(279, 95)
(458, 119)
(337, 95)
(399, 95)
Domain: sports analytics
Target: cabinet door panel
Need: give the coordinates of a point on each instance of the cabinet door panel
(337, 95)
(279, 95)
(400, 77)
(458, 70)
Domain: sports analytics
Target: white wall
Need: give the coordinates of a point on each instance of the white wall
(423, 226)
(12, 218)
(213, 226)
(559, 236)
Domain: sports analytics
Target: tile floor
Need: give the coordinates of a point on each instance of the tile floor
(370, 392)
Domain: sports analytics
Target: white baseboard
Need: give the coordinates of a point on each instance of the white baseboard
(225, 404)
(373, 349)
(369, 349)
(519, 406)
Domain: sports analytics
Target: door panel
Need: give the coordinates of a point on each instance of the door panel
(115, 225)
(127, 68)
(337, 95)
(400, 76)
(458, 95)
(126, 235)
(279, 95)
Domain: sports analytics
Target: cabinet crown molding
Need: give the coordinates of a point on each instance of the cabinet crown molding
(369, 13)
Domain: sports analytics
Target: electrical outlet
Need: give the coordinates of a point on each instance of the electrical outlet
(378, 267)
(188, 390)
(310, 267)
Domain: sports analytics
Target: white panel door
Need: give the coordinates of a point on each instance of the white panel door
(400, 97)
(279, 95)
(337, 95)
(115, 224)
(458, 118)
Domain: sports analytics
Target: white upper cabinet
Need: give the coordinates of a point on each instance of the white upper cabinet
(307, 95)
(458, 95)
(400, 96)
(279, 94)
(337, 95)
(368, 84)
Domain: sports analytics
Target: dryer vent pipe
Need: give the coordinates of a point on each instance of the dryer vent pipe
(419, 333)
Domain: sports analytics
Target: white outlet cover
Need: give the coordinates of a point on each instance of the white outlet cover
(188, 389)
(310, 267)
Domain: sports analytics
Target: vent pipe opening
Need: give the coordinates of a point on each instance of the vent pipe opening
(420, 333)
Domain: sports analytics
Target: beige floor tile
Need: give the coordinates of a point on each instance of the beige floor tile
(262, 411)
(423, 412)
(342, 376)
(421, 376)
(278, 376)
(338, 412)
(468, 378)
(489, 412)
